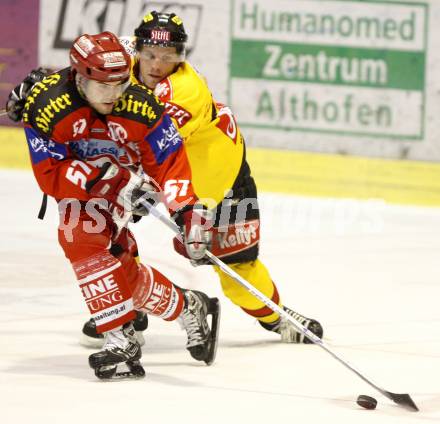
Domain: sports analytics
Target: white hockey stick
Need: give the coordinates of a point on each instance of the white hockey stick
(401, 399)
(3, 112)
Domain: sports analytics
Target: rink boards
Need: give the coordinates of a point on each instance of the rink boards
(309, 174)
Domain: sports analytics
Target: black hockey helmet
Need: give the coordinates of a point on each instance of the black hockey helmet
(161, 29)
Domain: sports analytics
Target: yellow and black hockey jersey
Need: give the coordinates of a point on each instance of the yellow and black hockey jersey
(212, 139)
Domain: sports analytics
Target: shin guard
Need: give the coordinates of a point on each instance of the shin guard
(105, 289)
(157, 295)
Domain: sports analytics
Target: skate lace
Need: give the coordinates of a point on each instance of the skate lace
(116, 339)
(300, 318)
(287, 329)
(190, 320)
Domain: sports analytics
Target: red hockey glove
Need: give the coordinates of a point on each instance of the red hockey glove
(123, 188)
(195, 227)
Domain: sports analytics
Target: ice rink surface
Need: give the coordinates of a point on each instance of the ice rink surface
(368, 271)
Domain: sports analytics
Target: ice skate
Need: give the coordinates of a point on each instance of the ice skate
(288, 332)
(91, 338)
(121, 347)
(202, 339)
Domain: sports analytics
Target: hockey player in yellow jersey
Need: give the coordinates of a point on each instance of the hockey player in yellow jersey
(220, 173)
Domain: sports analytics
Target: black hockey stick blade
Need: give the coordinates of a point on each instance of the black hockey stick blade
(402, 400)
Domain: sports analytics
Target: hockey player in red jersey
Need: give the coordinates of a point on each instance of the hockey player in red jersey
(216, 152)
(97, 143)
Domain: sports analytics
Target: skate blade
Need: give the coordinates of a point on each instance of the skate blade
(110, 373)
(215, 312)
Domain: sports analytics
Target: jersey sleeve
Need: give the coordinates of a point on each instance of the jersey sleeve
(187, 100)
(57, 172)
(164, 159)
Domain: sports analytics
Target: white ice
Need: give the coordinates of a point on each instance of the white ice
(368, 271)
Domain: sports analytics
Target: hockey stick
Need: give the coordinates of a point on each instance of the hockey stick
(401, 399)
(3, 112)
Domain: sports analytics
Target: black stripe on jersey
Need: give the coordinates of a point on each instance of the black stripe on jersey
(138, 103)
(51, 100)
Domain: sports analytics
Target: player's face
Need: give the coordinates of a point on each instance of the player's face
(157, 63)
(102, 96)
(103, 108)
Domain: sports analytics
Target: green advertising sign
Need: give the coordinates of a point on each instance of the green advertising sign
(348, 67)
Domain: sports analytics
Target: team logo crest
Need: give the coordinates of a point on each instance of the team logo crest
(163, 90)
(227, 122)
(79, 127)
(117, 132)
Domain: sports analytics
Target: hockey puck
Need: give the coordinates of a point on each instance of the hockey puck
(367, 402)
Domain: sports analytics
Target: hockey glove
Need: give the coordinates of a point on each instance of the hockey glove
(17, 97)
(195, 227)
(123, 188)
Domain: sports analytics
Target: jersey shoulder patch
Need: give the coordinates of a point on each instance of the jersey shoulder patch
(138, 103)
(50, 101)
(188, 90)
(164, 90)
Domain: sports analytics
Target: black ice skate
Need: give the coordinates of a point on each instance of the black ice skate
(288, 332)
(121, 347)
(202, 339)
(91, 338)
